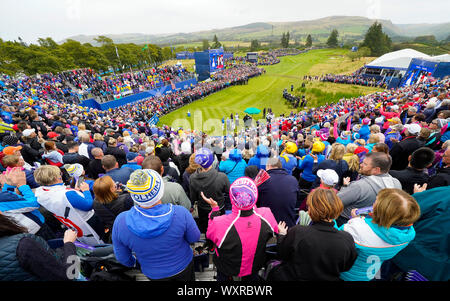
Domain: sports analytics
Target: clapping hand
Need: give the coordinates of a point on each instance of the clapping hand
(346, 181)
(15, 177)
(210, 201)
(282, 228)
(418, 188)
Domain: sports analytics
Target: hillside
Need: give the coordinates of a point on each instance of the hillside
(350, 29)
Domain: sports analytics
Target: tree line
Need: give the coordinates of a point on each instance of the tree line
(49, 56)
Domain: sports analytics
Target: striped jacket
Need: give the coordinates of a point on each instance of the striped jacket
(240, 239)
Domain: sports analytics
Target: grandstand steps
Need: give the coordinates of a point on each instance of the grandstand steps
(207, 274)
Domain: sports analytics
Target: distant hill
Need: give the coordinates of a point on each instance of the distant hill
(350, 28)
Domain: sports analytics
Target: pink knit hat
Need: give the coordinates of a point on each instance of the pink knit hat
(243, 193)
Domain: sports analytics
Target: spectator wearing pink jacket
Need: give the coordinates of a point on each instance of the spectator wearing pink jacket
(240, 238)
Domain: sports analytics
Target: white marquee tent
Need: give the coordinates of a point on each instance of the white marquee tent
(399, 60)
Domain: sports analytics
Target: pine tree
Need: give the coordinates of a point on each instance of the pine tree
(283, 40)
(254, 45)
(308, 41)
(333, 39)
(216, 43)
(376, 40)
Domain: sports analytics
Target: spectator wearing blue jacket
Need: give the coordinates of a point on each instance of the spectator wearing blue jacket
(287, 157)
(5, 114)
(283, 208)
(23, 207)
(261, 157)
(234, 166)
(335, 162)
(155, 234)
(380, 237)
(307, 177)
(364, 131)
(393, 133)
(112, 169)
(131, 161)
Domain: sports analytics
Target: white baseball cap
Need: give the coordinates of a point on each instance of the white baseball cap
(413, 128)
(28, 132)
(328, 176)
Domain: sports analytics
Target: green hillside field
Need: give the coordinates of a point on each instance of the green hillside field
(266, 91)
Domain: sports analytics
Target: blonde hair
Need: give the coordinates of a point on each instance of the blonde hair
(47, 175)
(353, 163)
(374, 138)
(112, 141)
(324, 204)
(375, 129)
(361, 142)
(351, 147)
(11, 160)
(102, 190)
(424, 133)
(394, 207)
(337, 152)
(98, 137)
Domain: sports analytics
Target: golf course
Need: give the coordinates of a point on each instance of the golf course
(266, 91)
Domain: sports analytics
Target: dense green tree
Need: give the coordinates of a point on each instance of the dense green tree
(254, 45)
(48, 56)
(285, 40)
(333, 39)
(308, 41)
(376, 40)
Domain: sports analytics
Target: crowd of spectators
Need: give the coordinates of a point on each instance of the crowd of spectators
(76, 85)
(352, 80)
(333, 186)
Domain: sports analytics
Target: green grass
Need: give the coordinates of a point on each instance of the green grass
(319, 93)
(265, 91)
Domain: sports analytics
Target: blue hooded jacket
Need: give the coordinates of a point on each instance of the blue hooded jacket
(261, 157)
(364, 132)
(234, 167)
(370, 258)
(159, 236)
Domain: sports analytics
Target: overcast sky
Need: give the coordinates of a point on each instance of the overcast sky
(59, 19)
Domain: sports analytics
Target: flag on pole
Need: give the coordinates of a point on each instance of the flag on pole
(117, 53)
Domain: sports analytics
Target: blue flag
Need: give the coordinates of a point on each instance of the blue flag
(154, 120)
